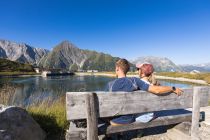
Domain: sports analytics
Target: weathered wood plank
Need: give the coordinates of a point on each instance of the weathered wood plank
(122, 103)
(196, 112)
(165, 120)
(92, 119)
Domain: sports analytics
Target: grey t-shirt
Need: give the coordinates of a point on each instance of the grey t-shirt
(127, 84)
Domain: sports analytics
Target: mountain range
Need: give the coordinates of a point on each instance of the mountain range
(205, 67)
(63, 56)
(159, 63)
(21, 52)
(68, 56)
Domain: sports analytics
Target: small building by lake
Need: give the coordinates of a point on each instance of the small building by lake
(37, 70)
(92, 70)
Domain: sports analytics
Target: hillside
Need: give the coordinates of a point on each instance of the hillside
(160, 63)
(11, 66)
(99, 61)
(67, 56)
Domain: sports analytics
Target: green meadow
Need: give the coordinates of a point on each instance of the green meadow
(199, 76)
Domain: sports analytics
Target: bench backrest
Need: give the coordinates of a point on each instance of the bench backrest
(110, 104)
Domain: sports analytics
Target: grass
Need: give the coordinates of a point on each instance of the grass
(200, 76)
(207, 79)
(51, 116)
(6, 93)
(16, 73)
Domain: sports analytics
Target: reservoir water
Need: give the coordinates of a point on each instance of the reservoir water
(23, 91)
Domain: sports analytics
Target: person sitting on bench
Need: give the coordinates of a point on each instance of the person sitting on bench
(146, 73)
(129, 84)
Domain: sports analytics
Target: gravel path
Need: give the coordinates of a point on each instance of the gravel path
(154, 137)
(204, 134)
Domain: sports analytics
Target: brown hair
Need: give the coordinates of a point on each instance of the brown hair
(123, 64)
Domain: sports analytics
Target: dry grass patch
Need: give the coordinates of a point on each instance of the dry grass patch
(51, 116)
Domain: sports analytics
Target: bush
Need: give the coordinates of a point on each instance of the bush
(73, 67)
(11, 66)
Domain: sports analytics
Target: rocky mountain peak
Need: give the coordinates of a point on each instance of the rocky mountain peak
(159, 63)
(67, 56)
(21, 52)
(66, 45)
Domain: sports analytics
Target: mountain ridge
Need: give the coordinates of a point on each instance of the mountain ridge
(204, 67)
(159, 63)
(66, 55)
(21, 52)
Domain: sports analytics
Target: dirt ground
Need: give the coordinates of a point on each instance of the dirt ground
(204, 134)
(154, 137)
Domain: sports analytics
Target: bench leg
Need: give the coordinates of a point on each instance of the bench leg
(92, 120)
(195, 113)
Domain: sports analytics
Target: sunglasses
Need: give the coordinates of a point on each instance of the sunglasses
(138, 69)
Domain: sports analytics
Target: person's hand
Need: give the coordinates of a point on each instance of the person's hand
(178, 91)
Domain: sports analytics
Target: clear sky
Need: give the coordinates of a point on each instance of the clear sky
(177, 29)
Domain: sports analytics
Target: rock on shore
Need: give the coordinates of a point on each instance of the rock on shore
(17, 124)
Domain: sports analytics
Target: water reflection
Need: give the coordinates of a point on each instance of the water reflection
(23, 91)
(33, 89)
(177, 83)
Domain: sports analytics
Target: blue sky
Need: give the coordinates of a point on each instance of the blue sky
(177, 29)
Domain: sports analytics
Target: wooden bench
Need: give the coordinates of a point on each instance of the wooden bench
(91, 106)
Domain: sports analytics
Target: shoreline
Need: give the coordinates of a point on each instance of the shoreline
(181, 79)
(19, 75)
(94, 74)
(112, 74)
(202, 82)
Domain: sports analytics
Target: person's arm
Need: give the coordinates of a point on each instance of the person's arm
(164, 89)
(157, 89)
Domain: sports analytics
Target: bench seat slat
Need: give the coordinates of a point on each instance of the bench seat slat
(164, 120)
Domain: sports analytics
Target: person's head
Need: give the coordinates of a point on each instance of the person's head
(122, 66)
(145, 69)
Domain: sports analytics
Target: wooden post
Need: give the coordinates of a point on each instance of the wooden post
(92, 120)
(195, 113)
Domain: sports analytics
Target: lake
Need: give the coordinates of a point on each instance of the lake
(23, 91)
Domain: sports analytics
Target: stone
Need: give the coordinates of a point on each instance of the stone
(17, 124)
